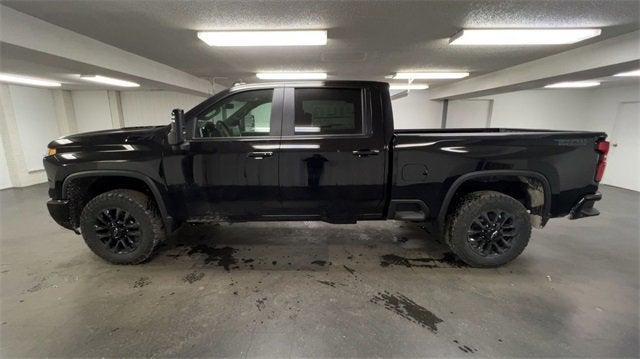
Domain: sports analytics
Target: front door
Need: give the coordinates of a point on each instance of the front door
(234, 155)
(332, 166)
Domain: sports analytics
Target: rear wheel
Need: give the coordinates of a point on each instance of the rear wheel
(488, 229)
(121, 226)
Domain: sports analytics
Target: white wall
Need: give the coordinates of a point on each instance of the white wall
(416, 111)
(31, 117)
(92, 110)
(146, 108)
(5, 177)
(604, 105)
(469, 113)
(566, 109)
(35, 116)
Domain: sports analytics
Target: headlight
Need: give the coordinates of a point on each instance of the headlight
(51, 152)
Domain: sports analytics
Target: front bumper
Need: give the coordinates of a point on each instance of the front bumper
(584, 207)
(59, 211)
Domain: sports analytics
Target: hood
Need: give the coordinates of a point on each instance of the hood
(115, 136)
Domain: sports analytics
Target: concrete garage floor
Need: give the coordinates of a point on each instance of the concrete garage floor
(313, 289)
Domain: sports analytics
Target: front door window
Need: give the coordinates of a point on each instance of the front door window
(245, 114)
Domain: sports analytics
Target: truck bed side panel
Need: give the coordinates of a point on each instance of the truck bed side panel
(566, 159)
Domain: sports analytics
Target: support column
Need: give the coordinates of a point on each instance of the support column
(445, 109)
(65, 114)
(115, 105)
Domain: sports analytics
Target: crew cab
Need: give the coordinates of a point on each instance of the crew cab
(322, 151)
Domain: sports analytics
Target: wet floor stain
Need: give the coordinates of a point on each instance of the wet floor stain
(408, 309)
(448, 259)
(393, 259)
(141, 282)
(222, 257)
(326, 282)
(465, 348)
(260, 303)
(451, 259)
(193, 277)
(350, 270)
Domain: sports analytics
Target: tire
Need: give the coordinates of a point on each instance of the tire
(475, 234)
(122, 226)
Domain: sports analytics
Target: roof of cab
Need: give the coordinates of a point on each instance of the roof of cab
(331, 83)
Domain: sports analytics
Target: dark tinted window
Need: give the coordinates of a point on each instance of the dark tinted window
(244, 114)
(328, 111)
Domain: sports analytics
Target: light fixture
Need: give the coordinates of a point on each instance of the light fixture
(287, 146)
(311, 129)
(408, 86)
(629, 73)
(264, 38)
(573, 84)
(291, 75)
(24, 80)
(429, 75)
(109, 81)
(522, 36)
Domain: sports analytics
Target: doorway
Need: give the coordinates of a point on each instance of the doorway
(623, 163)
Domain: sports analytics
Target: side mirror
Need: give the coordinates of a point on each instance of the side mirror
(176, 133)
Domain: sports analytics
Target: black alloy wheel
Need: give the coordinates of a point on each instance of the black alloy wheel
(118, 230)
(492, 233)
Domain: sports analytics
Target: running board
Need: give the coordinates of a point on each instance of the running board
(412, 210)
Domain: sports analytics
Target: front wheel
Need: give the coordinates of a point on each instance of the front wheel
(488, 229)
(121, 226)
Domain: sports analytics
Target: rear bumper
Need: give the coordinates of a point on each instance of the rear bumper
(584, 207)
(59, 211)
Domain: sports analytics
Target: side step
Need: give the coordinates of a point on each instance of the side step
(412, 210)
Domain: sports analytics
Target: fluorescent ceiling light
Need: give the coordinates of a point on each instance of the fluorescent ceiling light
(264, 38)
(629, 73)
(307, 129)
(24, 80)
(291, 75)
(408, 86)
(429, 75)
(573, 84)
(522, 36)
(109, 81)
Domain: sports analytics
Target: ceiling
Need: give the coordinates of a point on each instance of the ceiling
(367, 40)
(18, 60)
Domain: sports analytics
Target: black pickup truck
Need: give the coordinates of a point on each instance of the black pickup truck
(319, 151)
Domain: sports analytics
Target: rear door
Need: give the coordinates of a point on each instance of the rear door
(332, 161)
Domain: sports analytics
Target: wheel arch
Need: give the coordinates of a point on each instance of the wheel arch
(151, 185)
(478, 175)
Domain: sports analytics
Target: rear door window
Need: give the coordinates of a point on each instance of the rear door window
(328, 111)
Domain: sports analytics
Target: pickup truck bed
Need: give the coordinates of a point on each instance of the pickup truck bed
(563, 163)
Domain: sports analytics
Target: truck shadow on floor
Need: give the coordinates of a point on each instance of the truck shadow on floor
(306, 246)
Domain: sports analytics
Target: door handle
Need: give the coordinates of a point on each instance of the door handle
(365, 153)
(259, 155)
